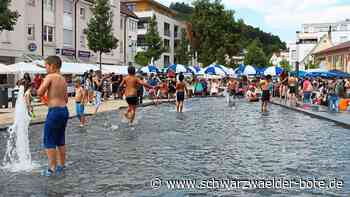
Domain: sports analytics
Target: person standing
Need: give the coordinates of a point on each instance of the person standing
(80, 102)
(115, 85)
(97, 84)
(180, 93)
(265, 97)
(307, 90)
(55, 86)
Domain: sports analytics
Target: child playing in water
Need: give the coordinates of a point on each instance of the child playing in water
(265, 97)
(55, 86)
(80, 102)
(132, 83)
(180, 93)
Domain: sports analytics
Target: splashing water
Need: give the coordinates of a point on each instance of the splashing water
(17, 156)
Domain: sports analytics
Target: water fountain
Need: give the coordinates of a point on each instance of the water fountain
(17, 156)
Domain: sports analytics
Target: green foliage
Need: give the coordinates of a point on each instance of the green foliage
(154, 42)
(183, 55)
(141, 59)
(100, 32)
(183, 10)
(285, 65)
(8, 18)
(311, 65)
(215, 31)
(255, 55)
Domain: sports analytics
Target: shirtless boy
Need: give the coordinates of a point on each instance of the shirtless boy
(265, 97)
(55, 86)
(131, 83)
(180, 93)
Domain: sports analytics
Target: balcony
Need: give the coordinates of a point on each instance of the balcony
(167, 32)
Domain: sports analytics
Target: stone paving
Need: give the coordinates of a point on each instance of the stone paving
(341, 118)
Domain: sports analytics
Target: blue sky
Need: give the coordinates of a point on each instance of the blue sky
(285, 17)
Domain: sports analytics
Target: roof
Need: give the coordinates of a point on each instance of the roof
(341, 46)
(153, 2)
(124, 10)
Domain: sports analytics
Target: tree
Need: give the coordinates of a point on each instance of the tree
(311, 65)
(183, 55)
(183, 10)
(285, 65)
(141, 59)
(255, 55)
(8, 18)
(153, 41)
(100, 31)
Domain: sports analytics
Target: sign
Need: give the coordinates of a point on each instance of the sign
(68, 52)
(32, 47)
(58, 51)
(85, 54)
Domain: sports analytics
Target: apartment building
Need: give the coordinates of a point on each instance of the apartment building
(168, 27)
(128, 27)
(312, 34)
(64, 24)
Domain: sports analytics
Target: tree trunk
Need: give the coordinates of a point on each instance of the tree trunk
(101, 61)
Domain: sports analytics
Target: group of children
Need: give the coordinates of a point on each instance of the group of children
(54, 86)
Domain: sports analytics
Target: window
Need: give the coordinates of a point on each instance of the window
(67, 6)
(166, 60)
(131, 7)
(167, 45)
(121, 47)
(48, 33)
(176, 31)
(31, 32)
(67, 37)
(82, 41)
(49, 5)
(31, 2)
(294, 55)
(166, 29)
(82, 12)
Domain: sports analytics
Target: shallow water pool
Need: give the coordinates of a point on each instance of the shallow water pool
(208, 143)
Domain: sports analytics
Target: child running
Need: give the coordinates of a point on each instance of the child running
(132, 83)
(265, 97)
(55, 86)
(180, 93)
(80, 102)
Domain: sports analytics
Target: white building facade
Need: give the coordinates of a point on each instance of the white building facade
(168, 27)
(65, 22)
(311, 34)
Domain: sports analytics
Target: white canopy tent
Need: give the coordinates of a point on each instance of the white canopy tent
(23, 67)
(119, 70)
(5, 69)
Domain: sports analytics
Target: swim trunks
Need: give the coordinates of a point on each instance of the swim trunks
(55, 127)
(79, 109)
(292, 89)
(132, 100)
(180, 96)
(265, 95)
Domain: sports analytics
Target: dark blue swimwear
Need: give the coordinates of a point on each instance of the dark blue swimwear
(55, 127)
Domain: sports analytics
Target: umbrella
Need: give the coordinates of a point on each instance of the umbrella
(149, 69)
(195, 69)
(246, 70)
(214, 70)
(340, 74)
(178, 68)
(273, 71)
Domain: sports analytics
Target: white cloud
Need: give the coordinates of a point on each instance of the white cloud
(288, 13)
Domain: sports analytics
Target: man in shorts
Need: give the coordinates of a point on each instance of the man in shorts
(55, 86)
(131, 83)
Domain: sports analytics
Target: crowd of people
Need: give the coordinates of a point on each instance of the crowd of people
(94, 87)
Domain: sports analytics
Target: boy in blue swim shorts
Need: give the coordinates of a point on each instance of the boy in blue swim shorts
(55, 87)
(80, 102)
